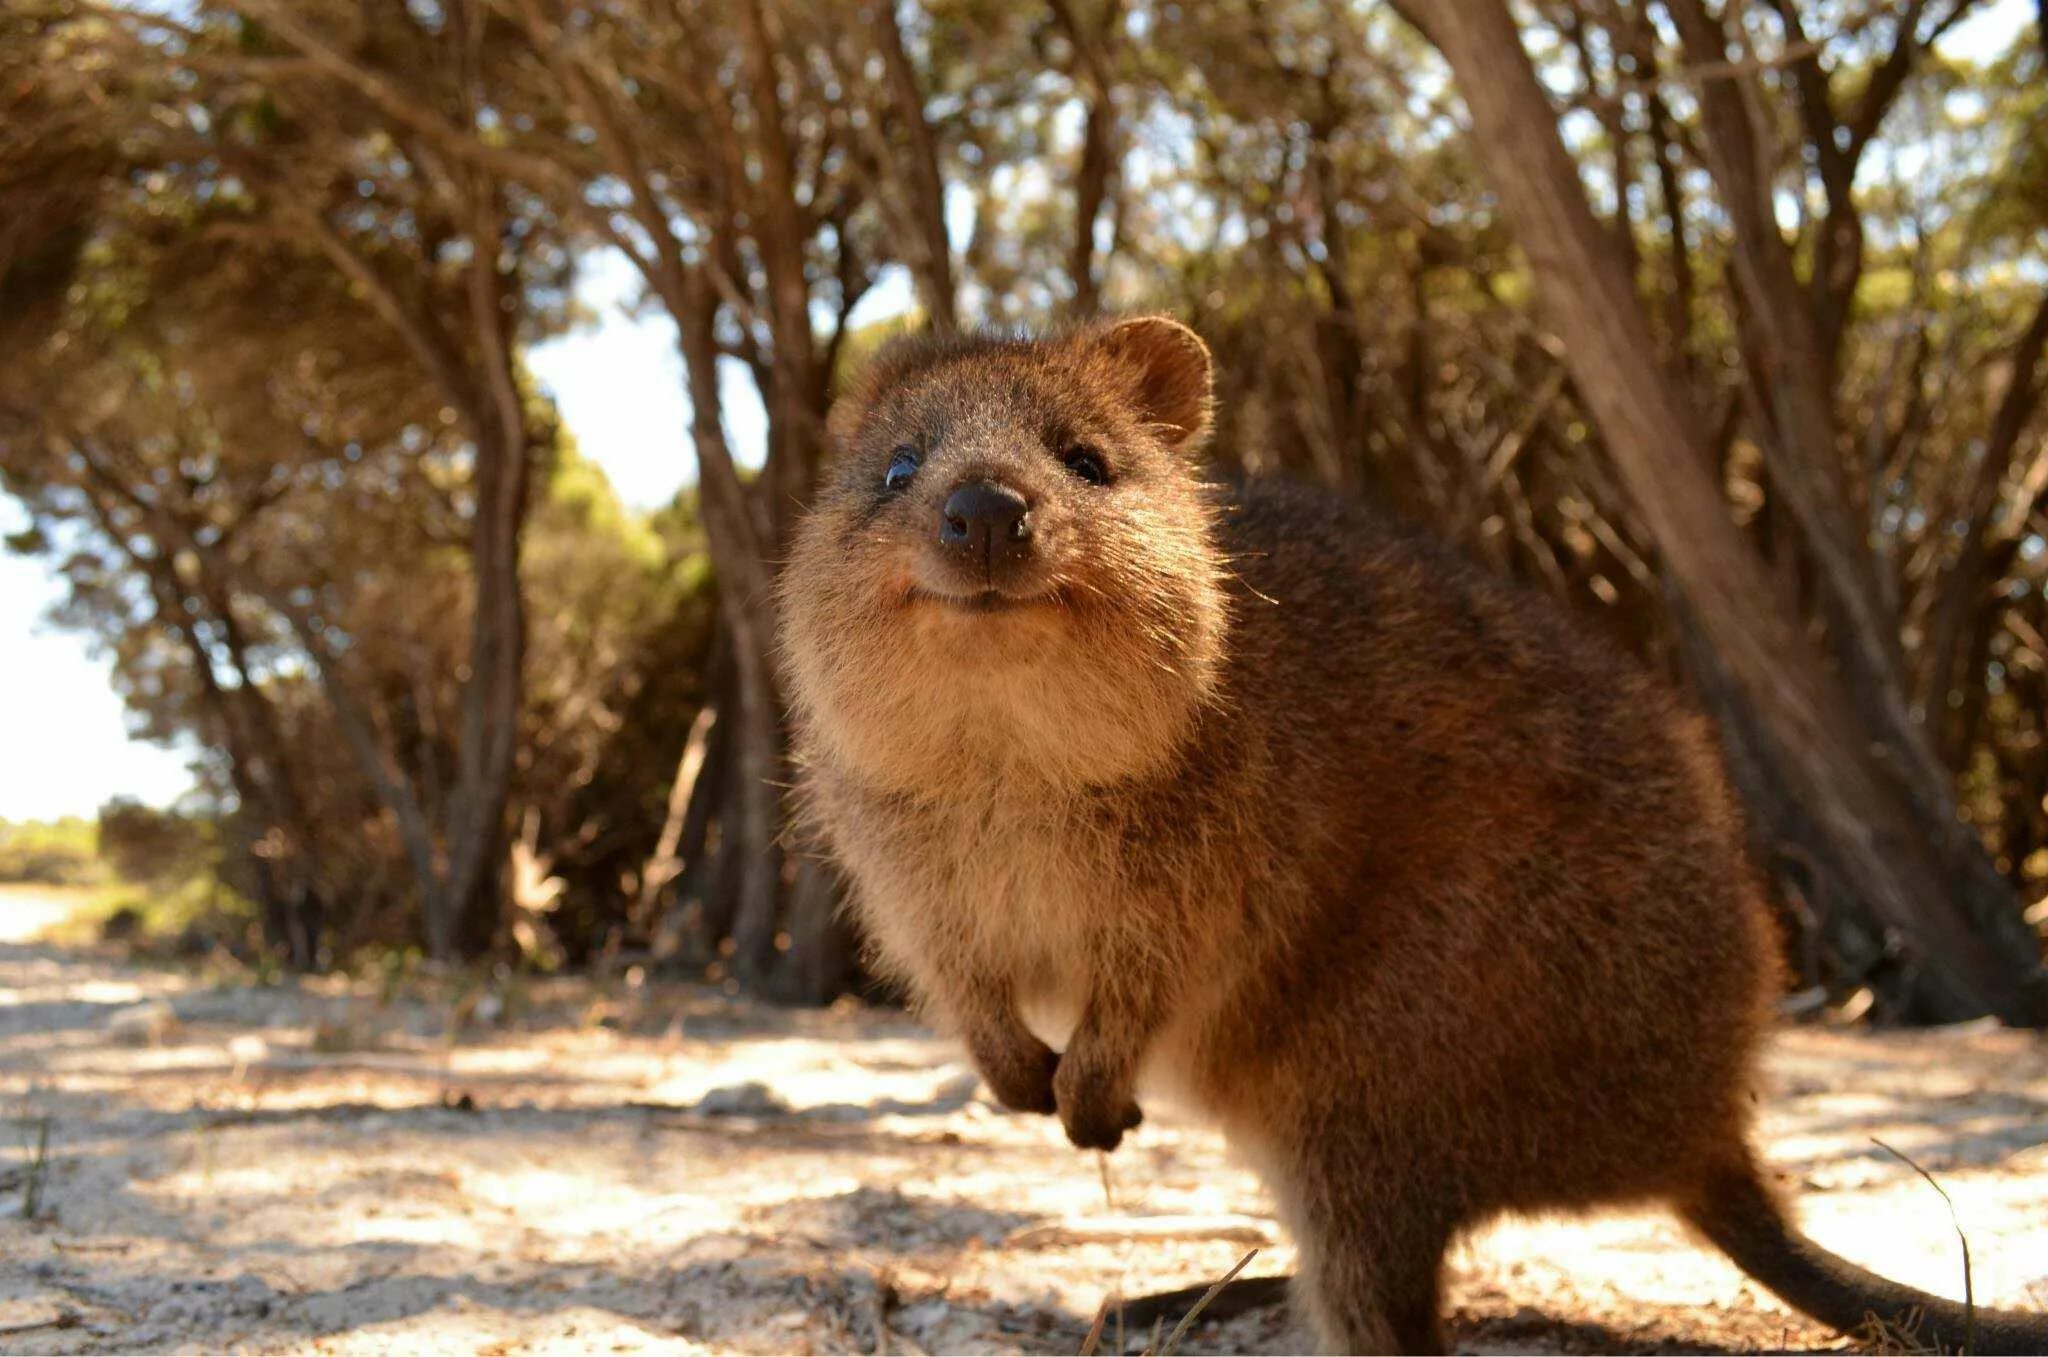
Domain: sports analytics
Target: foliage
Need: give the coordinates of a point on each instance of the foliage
(136, 874)
(152, 846)
(270, 266)
(50, 853)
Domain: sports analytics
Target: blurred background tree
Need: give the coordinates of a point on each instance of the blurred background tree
(1722, 323)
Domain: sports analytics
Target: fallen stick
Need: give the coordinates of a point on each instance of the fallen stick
(62, 1319)
(1208, 1298)
(1124, 1229)
(1239, 1295)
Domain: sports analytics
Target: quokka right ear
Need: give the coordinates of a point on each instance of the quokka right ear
(898, 358)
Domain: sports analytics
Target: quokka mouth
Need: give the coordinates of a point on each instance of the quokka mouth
(984, 601)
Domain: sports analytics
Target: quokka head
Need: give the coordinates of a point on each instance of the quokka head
(1008, 578)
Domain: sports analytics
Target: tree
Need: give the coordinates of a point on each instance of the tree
(1873, 822)
(250, 175)
(1775, 424)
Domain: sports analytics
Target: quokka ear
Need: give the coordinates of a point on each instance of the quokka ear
(1172, 369)
(897, 359)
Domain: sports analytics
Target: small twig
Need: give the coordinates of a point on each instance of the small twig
(95, 1297)
(1102, 1167)
(879, 1301)
(1230, 1229)
(1969, 1287)
(63, 1319)
(1902, 1336)
(38, 1174)
(1187, 1320)
(1094, 1338)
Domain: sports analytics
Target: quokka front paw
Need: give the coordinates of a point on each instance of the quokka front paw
(1019, 1071)
(1095, 1112)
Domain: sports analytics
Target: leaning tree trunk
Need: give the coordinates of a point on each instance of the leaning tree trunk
(1793, 339)
(477, 840)
(478, 837)
(750, 873)
(1981, 562)
(1802, 745)
(283, 930)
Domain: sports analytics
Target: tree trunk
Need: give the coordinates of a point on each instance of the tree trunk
(757, 762)
(1093, 180)
(930, 251)
(1098, 155)
(797, 391)
(283, 930)
(1782, 335)
(1809, 751)
(824, 956)
(490, 706)
(665, 864)
(1961, 592)
(492, 697)
(752, 818)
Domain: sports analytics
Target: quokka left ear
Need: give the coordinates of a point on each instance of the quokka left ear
(1171, 364)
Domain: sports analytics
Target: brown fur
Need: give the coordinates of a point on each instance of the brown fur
(1244, 799)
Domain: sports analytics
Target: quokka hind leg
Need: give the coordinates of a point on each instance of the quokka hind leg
(1372, 1248)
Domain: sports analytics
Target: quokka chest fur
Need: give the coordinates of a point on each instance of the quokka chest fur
(1016, 876)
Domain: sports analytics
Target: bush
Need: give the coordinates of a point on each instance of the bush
(51, 853)
(153, 847)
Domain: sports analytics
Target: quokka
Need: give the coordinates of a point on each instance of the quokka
(1240, 797)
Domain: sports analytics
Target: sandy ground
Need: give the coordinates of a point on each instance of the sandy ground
(313, 1168)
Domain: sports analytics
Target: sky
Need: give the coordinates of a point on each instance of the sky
(64, 746)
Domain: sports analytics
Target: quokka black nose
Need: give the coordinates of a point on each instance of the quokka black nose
(985, 520)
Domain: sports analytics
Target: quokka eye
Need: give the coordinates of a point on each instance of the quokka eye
(1086, 463)
(902, 469)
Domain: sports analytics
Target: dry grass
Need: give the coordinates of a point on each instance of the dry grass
(35, 1172)
(1962, 1239)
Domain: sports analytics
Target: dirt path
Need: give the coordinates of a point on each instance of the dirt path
(306, 1169)
(25, 911)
